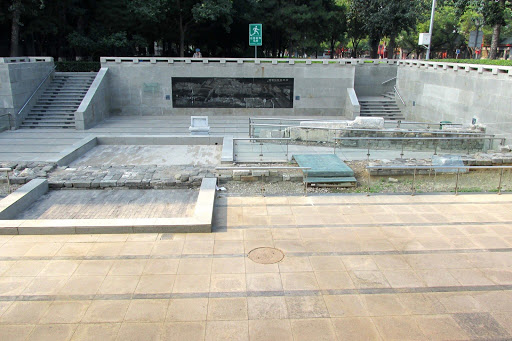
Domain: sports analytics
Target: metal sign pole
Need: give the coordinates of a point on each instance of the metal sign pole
(431, 27)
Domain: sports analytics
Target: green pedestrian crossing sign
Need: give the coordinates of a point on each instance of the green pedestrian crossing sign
(255, 35)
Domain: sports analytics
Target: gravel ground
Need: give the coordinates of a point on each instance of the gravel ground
(4, 190)
(474, 181)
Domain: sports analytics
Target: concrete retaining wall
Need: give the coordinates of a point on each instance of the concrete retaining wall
(436, 92)
(95, 106)
(19, 78)
(319, 86)
(369, 78)
(352, 106)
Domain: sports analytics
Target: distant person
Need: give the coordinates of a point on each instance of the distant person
(197, 54)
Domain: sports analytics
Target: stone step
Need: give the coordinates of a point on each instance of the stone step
(47, 125)
(381, 110)
(55, 105)
(58, 101)
(51, 116)
(49, 112)
(49, 120)
(66, 87)
(330, 180)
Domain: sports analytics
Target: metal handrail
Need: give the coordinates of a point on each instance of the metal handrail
(376, 130)
(10, 118)
(7, 170)
(389, 80)
(420, 138)
(491, 139)
(399, 96)
(37, 89)
(261, 138)
(405, 131)
(434, 168)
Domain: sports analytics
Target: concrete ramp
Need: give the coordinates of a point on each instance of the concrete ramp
(326, 169)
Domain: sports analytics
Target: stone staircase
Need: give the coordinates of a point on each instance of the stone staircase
(381, 106)
(57, 105)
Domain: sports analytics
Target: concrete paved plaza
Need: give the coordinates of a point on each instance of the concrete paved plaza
(428, 267)
(170, 155)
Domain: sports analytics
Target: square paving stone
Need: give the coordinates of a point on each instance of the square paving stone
(177, 331)
(261, 308)
(52, 332)
(65, 312)
(481, 326)
(313, 329)
(227, 330)
(306, 307)
(227, 309)
(263, 330)
(187, 309)
(147, 311)
(355, 328)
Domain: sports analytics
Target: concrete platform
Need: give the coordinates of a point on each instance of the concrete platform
(91, 220)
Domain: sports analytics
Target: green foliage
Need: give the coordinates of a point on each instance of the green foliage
(78, 66)
(476, 61)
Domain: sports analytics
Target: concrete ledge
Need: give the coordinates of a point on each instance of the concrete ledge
(353, 103)
(227, 150)
(94, 106)
(200, 222)
(78, 149)
(158, 140)
(257, 61)
(21, 199)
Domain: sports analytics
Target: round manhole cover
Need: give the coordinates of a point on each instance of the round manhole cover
(266, 255)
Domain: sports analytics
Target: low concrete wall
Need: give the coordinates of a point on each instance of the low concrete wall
(19, 78)
(22, 198)
(95, 106)
(457, 92)
(352, 104)
(319, 86)
(200, 222)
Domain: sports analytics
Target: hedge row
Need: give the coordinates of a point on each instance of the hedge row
(476, 61)
(77, 66)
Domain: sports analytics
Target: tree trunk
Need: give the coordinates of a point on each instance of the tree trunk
(333, 42)
(374, 48)
(15, 28)
(182, 38)
(495, 41)
(391, 48)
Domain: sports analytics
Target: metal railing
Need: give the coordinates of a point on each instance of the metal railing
(35, 91)
(399, 96)
(303, 169)
(404, 139)
(261, 150)
(389, 80)
(262, 145)
(428, 124)
(283, 123)
(7, 170)
(435, 169)
(10, 119)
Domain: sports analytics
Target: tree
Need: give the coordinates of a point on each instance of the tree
(355, 26)
(336, 24)
(494, 13)
(401, 15)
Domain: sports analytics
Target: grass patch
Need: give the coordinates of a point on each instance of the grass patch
(475, 61)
